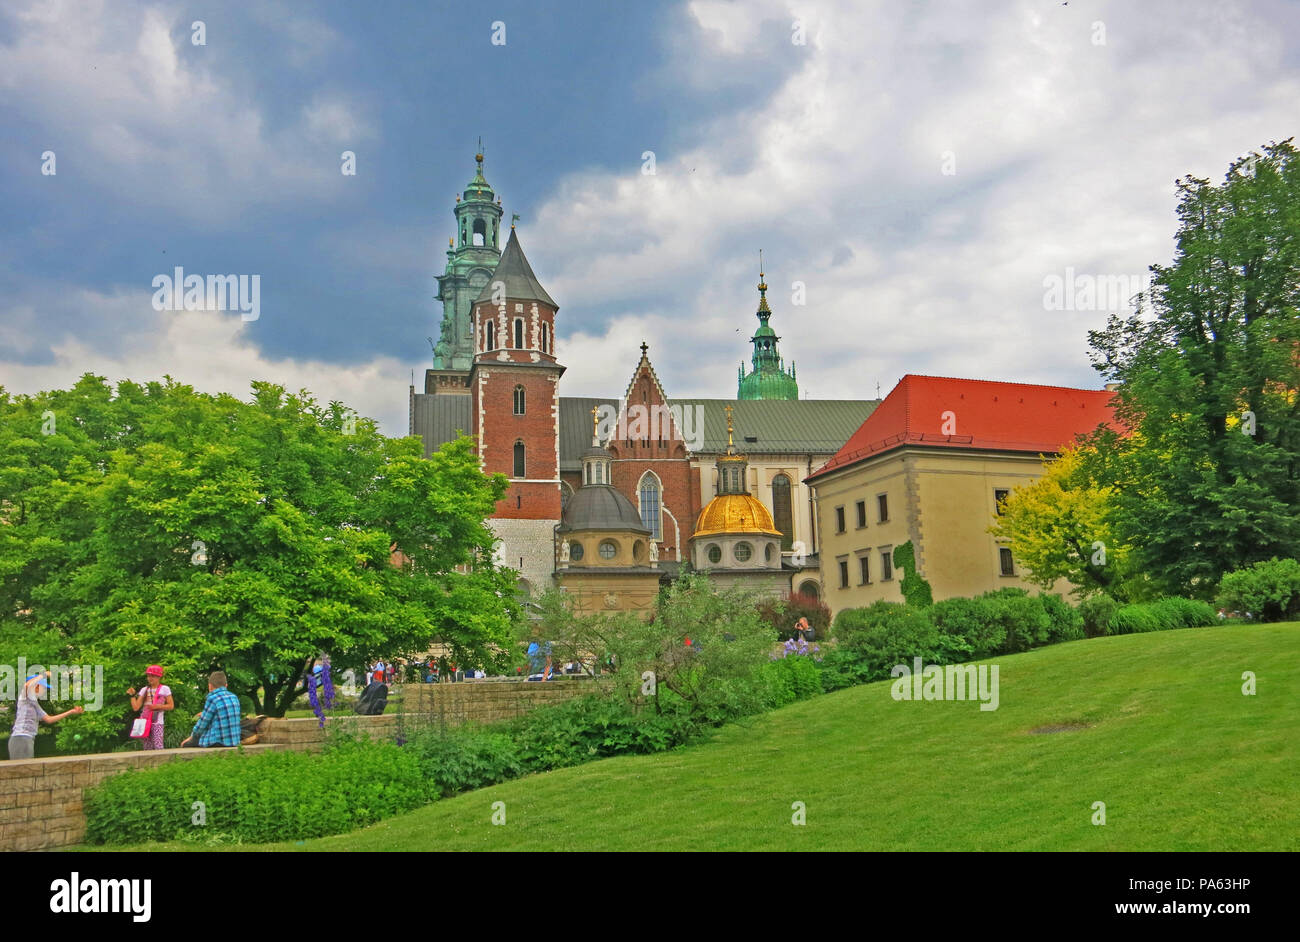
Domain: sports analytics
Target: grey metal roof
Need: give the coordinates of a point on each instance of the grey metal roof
(520, 282)
(802, 426)
(436, 419)
(600, 507)
(575, 428)
(796, 426)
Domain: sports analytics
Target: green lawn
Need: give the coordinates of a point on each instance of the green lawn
(1181, 758)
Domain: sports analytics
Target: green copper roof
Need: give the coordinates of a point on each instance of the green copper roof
(769, 379)
(520, 282)
(478, 188)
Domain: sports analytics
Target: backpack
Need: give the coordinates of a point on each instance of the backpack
(373, 699)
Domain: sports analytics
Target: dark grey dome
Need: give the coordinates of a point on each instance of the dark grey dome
(601, 507)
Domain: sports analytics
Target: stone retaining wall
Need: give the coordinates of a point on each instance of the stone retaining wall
(40, 799)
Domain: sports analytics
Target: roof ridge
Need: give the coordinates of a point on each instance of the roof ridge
(999, 382)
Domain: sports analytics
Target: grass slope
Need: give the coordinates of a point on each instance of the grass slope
(1181, 758)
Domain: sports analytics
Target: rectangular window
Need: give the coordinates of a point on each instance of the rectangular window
(886, 565)
(864, 563)
(862, 514)
(1000, 495)
(844, 573)
(839, 519)
(882, 507)
(1008, 564)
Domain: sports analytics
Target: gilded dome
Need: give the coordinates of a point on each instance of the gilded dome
(735, 513)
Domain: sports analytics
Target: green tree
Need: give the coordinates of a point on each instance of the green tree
(157, 524)
(1062, 527)
(1208, 481)
(701, 645)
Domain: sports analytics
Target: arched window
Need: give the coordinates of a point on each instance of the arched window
(546, 337)
(519, 460)
(519, 400)
(489, 335)
(651, 517)
(519, 333)
(480, 232)
(781, 510)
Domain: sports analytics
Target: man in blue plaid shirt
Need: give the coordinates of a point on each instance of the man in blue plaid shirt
(218, 725)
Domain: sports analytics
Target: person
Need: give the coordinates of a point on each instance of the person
(28, 712)
(802, 630)
(218, 724)
(156, 698)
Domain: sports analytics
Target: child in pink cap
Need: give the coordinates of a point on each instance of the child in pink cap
(155, 698)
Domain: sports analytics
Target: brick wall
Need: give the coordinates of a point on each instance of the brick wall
(40, 799)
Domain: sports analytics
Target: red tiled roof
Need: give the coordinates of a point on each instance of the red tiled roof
(985, 415)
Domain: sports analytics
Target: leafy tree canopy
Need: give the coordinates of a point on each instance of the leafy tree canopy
(1208, 481)
(154, 524)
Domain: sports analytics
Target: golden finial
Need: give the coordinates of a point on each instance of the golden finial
(595, 426)
(451, 243)
(729, 429)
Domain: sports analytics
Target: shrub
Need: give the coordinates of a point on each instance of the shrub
(1186, 613)
(1269, 591)
(1024, 619)
(1161, 615)
(791, 678)
(271, 796)
(841, 667)
(1096, 612)
(1065, 622)
(465, 758)
(973, 622)
(888, 633)
(594, 727)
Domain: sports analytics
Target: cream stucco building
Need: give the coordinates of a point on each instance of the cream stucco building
(930, 466)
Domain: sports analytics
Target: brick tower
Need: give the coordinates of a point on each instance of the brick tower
(514, 385)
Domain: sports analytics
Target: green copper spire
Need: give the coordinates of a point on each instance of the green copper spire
(472, 257)
(769, 379)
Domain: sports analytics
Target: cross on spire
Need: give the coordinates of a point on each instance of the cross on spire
(644, 347)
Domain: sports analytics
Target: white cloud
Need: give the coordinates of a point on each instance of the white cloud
(213, 352)
(1065, 154)
(142, 111)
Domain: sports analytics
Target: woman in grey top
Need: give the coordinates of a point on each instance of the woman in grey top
(27, 713)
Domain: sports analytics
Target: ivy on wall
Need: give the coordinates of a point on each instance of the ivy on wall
(916, 590)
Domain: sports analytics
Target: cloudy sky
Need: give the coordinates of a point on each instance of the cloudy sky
(919, 168)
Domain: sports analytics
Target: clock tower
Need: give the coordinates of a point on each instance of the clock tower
(472, 256)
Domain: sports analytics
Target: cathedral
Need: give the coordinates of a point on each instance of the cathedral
(611, 497)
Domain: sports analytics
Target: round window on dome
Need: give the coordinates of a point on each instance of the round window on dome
(714, 553)
(575, 551)
(608, 549)
(743, 551)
